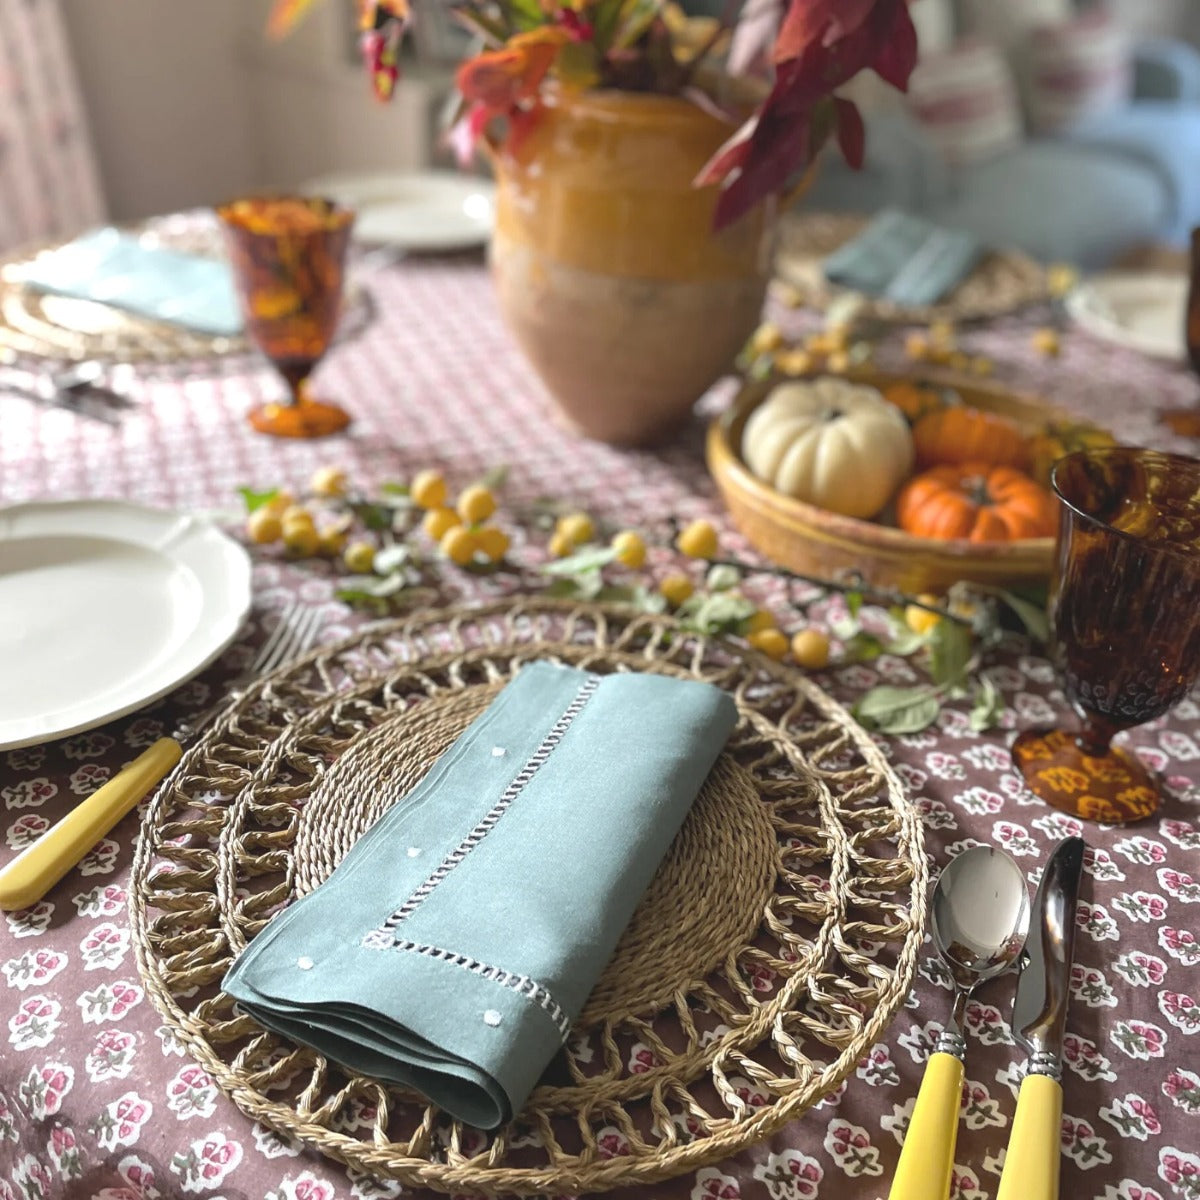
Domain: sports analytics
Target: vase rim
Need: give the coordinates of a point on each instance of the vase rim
(618, 104)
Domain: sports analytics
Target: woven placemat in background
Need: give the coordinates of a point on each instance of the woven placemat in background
(773, 949)
(1002, 282)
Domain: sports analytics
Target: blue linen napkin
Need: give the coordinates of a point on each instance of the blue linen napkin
(454, 946)
(116, 268)
(905, 259)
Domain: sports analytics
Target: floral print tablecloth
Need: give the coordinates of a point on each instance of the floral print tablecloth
(98, 1099)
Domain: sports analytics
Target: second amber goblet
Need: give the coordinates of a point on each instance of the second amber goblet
(289, 255)
(1125, 607)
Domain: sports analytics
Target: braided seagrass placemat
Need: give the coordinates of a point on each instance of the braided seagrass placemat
(773, 949)
(1002, 281)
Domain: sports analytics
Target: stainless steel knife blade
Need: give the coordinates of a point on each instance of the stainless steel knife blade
(1044, 986)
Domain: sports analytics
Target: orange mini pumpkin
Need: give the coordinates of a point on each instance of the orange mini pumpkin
(914, 399)
(957, 434)
(978, 502)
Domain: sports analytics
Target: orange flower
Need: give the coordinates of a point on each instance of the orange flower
(501, 80)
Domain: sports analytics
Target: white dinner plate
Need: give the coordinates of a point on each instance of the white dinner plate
(1144, 311)
(106, 606)
(415, 210)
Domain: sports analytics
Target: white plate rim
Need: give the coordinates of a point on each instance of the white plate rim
(362, 188)
(1079, 307)
(222, 568)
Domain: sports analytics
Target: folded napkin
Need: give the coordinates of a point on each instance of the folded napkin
(905, 259)
(454, 946)
(118, 269)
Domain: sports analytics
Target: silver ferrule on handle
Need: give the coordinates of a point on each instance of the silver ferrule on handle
(951, 1042)
(1043, 1062)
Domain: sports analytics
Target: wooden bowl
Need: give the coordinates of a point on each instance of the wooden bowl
(817, 542)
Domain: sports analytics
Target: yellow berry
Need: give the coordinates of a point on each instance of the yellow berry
(278, 504)
(631, 550)
(492, 542)
(296, 514)
(838, 362)
(576, 527)
(676, 589)
(698, 540)
(810, 649)
(263, 527)
(1047, 342)
(916, 346)
(819, 343)
(331, 541)
(560, 546)
(765, 338)
(302, 540)
(757, 623)
(459, 545)
(772, 642)
(942, 333)
(476, 504)
(328, 481)
(1060, 279)
(359, 557)
(921, 620)
(982, 366)
(795, 362)
(428, 490)
(437, 522)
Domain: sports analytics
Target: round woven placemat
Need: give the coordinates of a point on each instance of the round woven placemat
(69, 329)
(1002, 281)
(772, 950)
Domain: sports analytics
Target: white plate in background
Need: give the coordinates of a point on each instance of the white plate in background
(415, 210)
(106, 606)
(1143, 311)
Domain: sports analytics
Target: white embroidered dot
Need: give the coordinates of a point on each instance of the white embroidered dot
(498, 752)
(304, 963)
(413, 851)
(491, 1017)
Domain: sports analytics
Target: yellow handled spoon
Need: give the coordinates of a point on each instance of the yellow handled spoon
(979, 921)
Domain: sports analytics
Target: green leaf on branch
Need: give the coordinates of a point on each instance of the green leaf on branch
(862, 646)
(255, 500)
(906, 642)
(394, 489)
(376, 517)
(854, 602)
(949, 653)
(721, 612)
(355, 589)
(495, 477)
(389, 559)
(1033, 617)
(641, 598)
(590, 558)
(988, 705)
(898, 710)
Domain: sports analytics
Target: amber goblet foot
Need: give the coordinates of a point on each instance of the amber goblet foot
(301, 417)
(1125, 609)
(288, 255)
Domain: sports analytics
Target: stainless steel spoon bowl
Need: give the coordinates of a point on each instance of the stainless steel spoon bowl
(979, 921)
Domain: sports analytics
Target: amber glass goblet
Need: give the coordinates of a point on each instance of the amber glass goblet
(289, 255)
(1125, 611)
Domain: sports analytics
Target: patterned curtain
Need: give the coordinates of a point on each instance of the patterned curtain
(49, 185)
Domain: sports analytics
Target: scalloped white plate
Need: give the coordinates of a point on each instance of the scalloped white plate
(1143, 311)
(106, 606)
(415, 210)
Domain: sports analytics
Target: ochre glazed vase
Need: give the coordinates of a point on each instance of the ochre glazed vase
(607, 267)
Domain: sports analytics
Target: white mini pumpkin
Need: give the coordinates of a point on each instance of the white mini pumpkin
(830, 442)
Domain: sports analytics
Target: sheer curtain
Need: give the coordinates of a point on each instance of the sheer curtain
(49, 184)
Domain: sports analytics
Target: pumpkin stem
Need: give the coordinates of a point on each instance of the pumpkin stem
(975, 486)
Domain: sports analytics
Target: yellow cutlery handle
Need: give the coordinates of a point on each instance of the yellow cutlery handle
(1035, 1146)
(927, 1159)
(41, 865)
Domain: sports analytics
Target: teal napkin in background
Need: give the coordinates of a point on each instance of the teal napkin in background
(116, 268)
(905, 259)
(454, 946)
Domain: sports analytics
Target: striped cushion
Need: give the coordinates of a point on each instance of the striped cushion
(1077, 69)
(967, 101)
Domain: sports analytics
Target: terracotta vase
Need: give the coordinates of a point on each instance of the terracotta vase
(607, 268)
